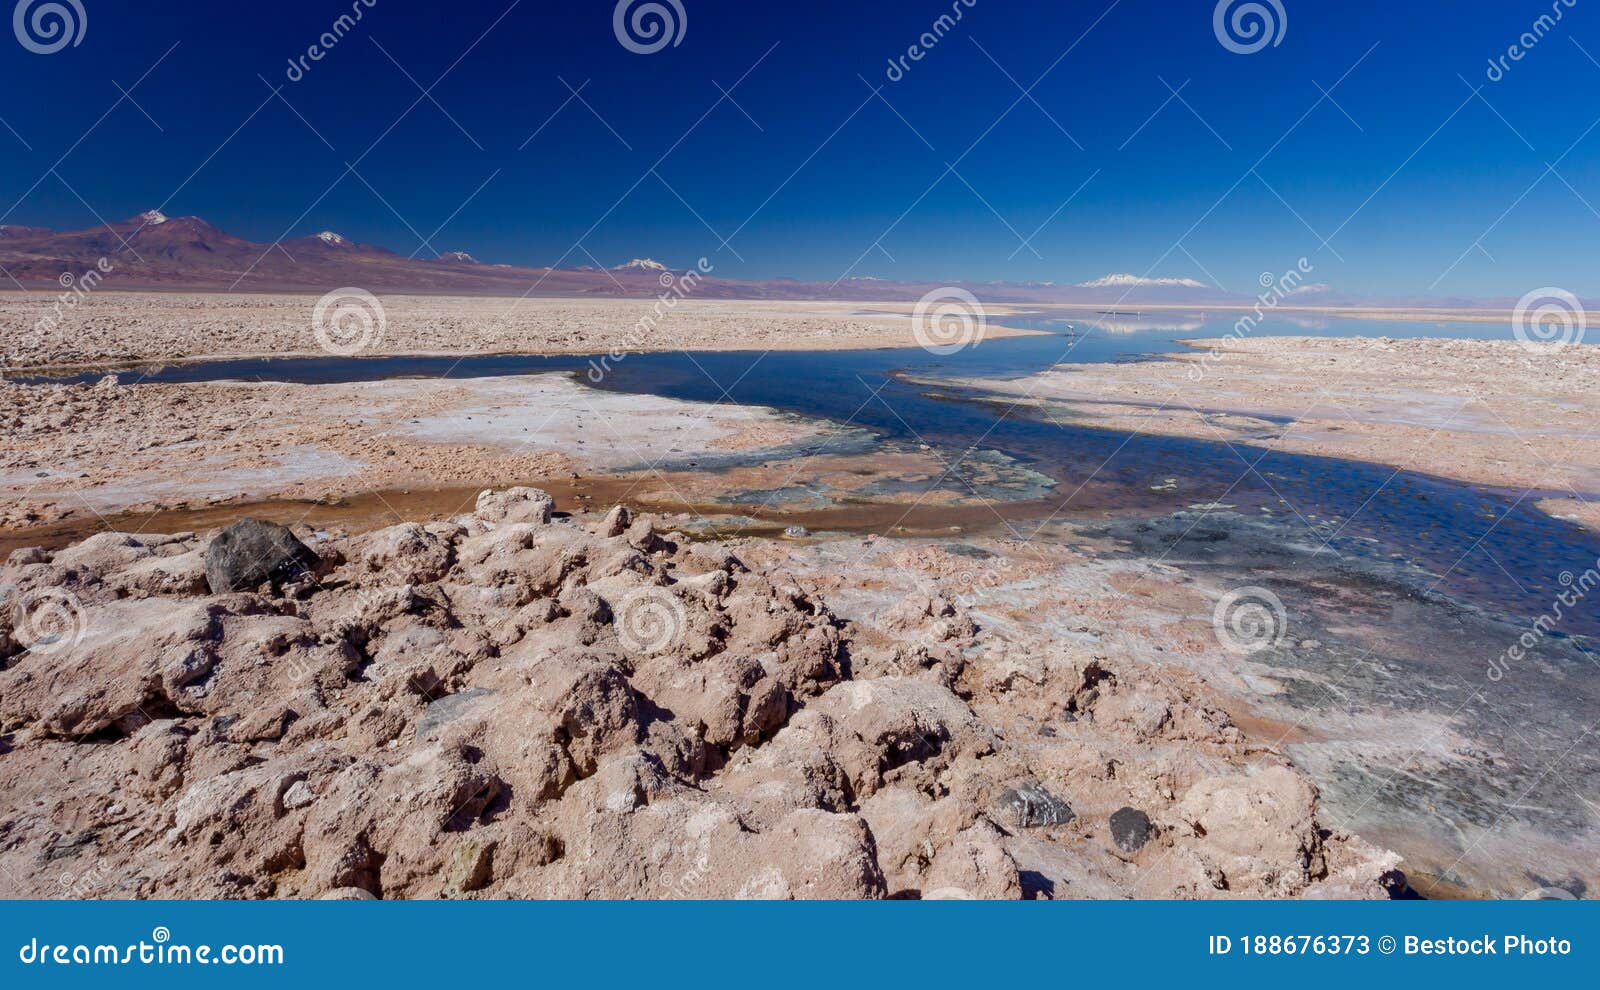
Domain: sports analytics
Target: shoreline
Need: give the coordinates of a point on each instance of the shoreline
(1431, 406)
(177, 328)
(1397, 315)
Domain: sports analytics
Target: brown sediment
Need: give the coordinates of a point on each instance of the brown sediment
(105, 450)
(365, 511)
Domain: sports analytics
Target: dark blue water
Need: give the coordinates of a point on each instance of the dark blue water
(1475, 539)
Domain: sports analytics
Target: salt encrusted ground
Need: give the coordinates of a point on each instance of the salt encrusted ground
(78, 451)
(114, 327)
(1486, 412)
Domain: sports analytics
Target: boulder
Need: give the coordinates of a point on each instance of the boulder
(515, 505)
(1031, 806)
(1130, 829)
(251, 552)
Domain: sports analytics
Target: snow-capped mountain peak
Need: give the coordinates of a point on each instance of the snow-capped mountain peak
(329, 237)
(461, 257)
(642, 264)
(1122, 280)
(153, 217)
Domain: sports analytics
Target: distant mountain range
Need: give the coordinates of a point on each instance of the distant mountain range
(154, 251)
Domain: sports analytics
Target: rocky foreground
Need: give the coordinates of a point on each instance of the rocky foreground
(509, 704)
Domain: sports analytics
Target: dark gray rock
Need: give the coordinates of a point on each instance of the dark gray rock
(251, 552)
(1032, 806)
(447, 709)
(1130, 829)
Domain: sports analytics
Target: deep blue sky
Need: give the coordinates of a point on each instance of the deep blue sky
(1149, 208)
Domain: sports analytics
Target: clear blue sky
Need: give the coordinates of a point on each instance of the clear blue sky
(1415, 176)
